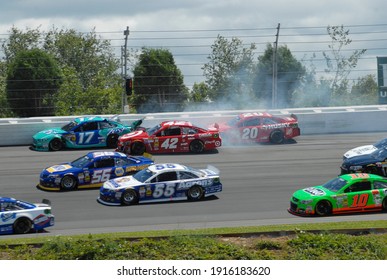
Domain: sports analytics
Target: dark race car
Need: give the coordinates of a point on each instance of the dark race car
(85, 132)
(91, 170)
(375, 163)
(258, 127)
(170, 137)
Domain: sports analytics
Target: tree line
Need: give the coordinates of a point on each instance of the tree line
(65, 72)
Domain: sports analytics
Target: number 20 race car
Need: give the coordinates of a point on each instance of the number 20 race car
(17, 216)
(161, 182)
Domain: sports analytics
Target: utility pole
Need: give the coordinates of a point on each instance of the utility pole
(125, 75)
(274, 99)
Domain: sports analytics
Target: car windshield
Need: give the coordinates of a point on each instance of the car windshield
(69, 126)
(234, 121)
(82, 162)
(335, 184)
(143, 175)
(380, 154)
(381, 143)
(152, 130)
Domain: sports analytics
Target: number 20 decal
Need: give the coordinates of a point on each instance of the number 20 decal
(250, 133)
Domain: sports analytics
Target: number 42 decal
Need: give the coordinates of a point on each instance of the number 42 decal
(170, 143)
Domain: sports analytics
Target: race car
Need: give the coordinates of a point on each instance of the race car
(366, 149)
(170, 137)
(161, 182)
(375, 163)
(84, 132)
(91, 170)
(350, 193)
(17, 216)
(258, 127)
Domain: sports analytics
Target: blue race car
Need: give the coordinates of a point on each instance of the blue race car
(85, 132)
(91, 170)
(17, 216)
(161, 182)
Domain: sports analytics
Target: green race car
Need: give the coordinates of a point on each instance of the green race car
(84, 132)
(350, 193)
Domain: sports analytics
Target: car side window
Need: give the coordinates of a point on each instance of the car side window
(189, 130)
(252, 122)
(268, 121)
(105, 162)
(105, 124)
(164, 177)
(187, 175)
(120, 162)
(380, 185)
(172, 131)
(358, 187)
(89, 126)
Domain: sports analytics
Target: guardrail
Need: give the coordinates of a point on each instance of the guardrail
(326, 120)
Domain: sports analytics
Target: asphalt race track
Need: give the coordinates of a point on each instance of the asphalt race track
(258, 181)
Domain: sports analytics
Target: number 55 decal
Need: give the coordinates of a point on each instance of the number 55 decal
(163, 190)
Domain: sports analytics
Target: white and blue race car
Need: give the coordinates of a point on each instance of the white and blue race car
(161, 182)
(17, 216)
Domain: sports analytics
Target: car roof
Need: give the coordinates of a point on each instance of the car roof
(88, 119)
(96, 154)
(255, 114)
(361, 176)
(176, 123)
(157, 168)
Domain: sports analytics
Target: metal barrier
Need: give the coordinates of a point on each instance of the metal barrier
(372, 118)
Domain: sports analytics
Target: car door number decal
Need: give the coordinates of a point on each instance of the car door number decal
(170, 143)
(250, 133)
(85, 137)
(360, 200)
(165, 190)
(101, 175)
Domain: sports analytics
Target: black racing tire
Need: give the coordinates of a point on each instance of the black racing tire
(384, 205)
(137, 148)
(129, 197)
(195, 193)
(68, 183)
(22, 225)
(55, 144)
(111, 141)
(323, 208)
(196, 146)
(276, 137)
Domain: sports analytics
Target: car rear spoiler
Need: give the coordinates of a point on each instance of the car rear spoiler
(46, 201)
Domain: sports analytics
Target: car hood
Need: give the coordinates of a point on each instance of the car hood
(49, 132)
(134, 135)
(121, 182)
(311, 193)
(59, 168)
(362, 150)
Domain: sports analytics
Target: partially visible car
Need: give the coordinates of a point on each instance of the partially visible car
(83, 132)
(375, 163)
(161, 182)
(350, 193)
(258, 127)
(91, 170)
(17, 216)
(366, 149)
(170, 137)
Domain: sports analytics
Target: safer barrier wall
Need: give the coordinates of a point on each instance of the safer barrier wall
(19, 131)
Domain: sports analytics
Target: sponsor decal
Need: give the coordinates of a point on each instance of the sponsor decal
(142, 191)
(342, 201)
(58, 168)
(122, 180)
(314, 191)
(273, 126)
(7, 216)
(41, 220)
(187, 185)
(217, 143)
(119, 171)
(148, 191)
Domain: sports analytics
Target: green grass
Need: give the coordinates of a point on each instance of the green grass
(284, 242)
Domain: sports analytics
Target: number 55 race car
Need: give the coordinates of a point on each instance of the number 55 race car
(161, 182)
(17, 216)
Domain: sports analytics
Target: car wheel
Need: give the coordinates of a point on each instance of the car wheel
(137, 148)
(323, 208)
(129, 197)
(111, 141)
(277, 137)
(384, 204)
(196, 146)
(68, 183)
(195, 193)
(55, 145)
(22, 225)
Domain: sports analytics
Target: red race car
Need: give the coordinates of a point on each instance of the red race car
(170, 137)
(259, 127)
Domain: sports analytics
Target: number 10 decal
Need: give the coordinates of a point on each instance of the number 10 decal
(360, 200)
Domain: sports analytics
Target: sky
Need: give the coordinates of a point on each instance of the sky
(189, 28)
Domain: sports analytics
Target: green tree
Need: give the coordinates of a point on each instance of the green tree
(290, 73)
(33, 80)
(229, 72)
(158, 83)
(338, 66)
(364, 91)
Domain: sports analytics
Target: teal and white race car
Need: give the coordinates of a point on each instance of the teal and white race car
(84, 132)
